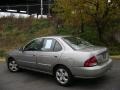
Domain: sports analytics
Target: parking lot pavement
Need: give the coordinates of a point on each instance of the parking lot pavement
(29, 80)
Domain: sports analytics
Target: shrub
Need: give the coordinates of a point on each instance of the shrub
(2, 53)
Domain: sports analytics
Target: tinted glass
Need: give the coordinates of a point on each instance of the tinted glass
(33, 46)
(57, 47)
(76, 43)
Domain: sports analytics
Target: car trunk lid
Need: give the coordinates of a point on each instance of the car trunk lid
(101, 53)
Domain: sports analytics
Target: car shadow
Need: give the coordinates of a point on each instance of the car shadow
(37, 76)
(90, 83)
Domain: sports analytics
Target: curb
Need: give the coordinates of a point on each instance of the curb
(115, 57)
(2, 60)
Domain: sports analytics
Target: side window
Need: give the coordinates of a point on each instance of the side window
(48, 45)
(33, 46)
(57, 47)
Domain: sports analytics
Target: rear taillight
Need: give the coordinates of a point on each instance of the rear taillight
(91, 62)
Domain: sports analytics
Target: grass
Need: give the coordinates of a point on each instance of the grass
(2, 53)
(14, 32)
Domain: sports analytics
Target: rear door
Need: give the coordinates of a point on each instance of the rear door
(51, 51)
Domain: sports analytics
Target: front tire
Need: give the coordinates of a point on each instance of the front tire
(13, 66)
(63, 76)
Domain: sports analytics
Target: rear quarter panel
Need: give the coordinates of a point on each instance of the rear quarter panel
(74, 58)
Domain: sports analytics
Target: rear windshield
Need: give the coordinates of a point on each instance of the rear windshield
(76, 43)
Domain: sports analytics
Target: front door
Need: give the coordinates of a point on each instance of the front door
(27, 57)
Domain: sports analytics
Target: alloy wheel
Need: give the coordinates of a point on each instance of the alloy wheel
(13, 66)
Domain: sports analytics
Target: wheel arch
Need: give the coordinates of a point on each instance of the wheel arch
(10, 58)
(60, 65)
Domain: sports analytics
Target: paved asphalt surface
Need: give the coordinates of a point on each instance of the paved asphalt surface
(29, 80)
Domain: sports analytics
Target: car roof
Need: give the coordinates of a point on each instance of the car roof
(54, 36)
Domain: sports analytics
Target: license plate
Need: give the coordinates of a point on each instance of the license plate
(103, 57)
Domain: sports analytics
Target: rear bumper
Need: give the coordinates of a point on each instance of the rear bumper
(92, 72)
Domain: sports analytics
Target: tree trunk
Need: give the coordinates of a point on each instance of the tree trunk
(99, 30)
(82, 27)
(82, 22)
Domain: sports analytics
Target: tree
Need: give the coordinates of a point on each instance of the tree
(71, 13)
(102, 13)
(77, 12)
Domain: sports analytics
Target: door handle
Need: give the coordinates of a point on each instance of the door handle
(33, 55)
(55, 56)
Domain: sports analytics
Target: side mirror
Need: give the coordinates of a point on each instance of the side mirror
(43, 49)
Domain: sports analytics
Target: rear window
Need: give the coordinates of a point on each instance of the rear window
(76, 43)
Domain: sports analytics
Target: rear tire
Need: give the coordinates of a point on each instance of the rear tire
(13, 66)
(63, 76)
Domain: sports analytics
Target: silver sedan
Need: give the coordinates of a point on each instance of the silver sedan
(64, 57)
